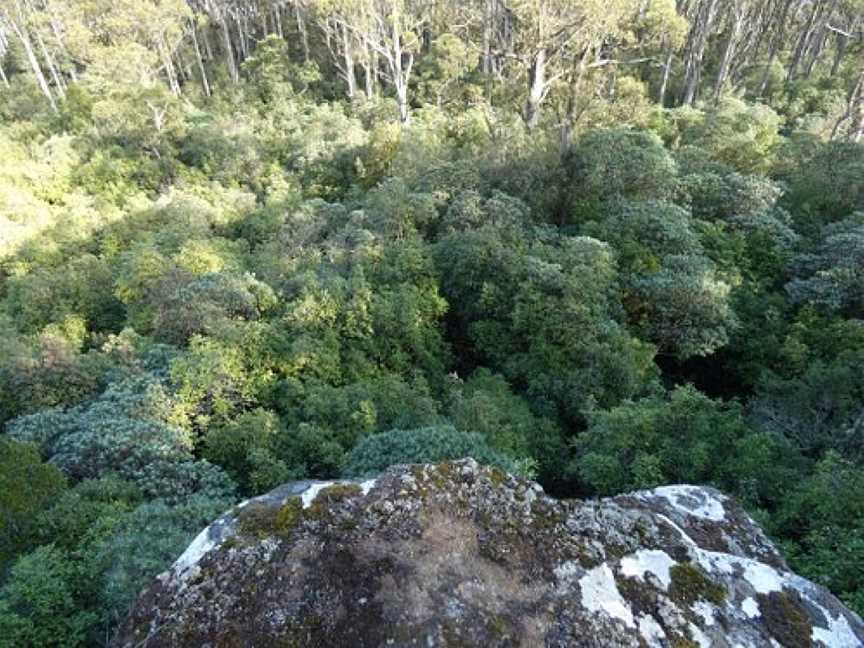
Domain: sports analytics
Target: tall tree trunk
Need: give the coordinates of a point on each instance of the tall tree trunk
(3, 77)
(729, 51)
(776, 42)
(229, 52)
(695, 51)
(24, 37)
(55, 29)
(241, 38)
(803, 43)
(488, 19)
(667, 73)
(370, 70)
(52, 68)
(208, 46)
(348, 62)
(573, 113)
(854, 112)
(301, 29)
(536, 89)
(400, 71)
(839, 53)
(202, 71)
(168, 64)
(277, 19)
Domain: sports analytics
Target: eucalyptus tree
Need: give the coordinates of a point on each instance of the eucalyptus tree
(391, 30)
(15, 16)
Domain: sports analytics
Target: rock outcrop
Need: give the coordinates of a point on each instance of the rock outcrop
(463, 555)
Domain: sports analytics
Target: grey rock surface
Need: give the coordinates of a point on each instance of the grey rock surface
(464, 555)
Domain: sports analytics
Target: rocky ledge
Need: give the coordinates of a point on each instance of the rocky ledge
(463, 555)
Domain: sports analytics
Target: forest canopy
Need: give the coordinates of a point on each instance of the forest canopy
(605, 245)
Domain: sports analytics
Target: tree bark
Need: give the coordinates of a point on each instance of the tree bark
(52, 67)
(776, 42)
(400, 72)
(735, 28)
(348, 62)
(667, 73)
(24, 37)
(536, 89)
(229, 52)
(301, 29)
(697, 42)
(202, 71)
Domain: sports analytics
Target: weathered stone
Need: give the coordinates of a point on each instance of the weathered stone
(463, 555)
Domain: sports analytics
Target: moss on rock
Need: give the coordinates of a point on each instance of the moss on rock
(787, 619)
(690, 584)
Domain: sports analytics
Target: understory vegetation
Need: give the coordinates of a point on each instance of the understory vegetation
(287, 257)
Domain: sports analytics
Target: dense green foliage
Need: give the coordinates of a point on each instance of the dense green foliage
(424, 445)
(205, 293)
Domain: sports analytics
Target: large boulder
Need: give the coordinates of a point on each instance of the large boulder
(463, 555)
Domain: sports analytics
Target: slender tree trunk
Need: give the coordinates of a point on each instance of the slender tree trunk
(536, 89)
(854, 112)
(208, 47)
(776, 42)
(370, 62)
(241, 38)
(400, 72)
(488, 18)
(573, 112)
(24, 37)
(301, 29)
(803, 43)
(277, 19)
(698, 41)
(55, 29)
(202, 71)
(348, 62)
(52, 68)
(229, 52)
(839, 53)
(168, 64)
(3, 72)
(729, 50)
(667, 73)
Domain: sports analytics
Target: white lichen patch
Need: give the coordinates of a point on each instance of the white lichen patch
(200, 547)
(705, 611)
(698, 636)
(367, 486)
(652, 561)
(311, 493)
(694, 501)
(838, 634)
(750, 607)
(764, 578)
(652, 632)
(565, 573)
(600, 594)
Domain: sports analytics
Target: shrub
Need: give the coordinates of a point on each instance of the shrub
(27, 485)
(423, 445)
(37, 602)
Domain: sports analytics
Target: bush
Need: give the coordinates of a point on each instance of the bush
(486, 404)
(607, 164)
(145, 543)
(246, 448)
(423, 445)
(37, 602)
(683, 438)
(27, 485)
